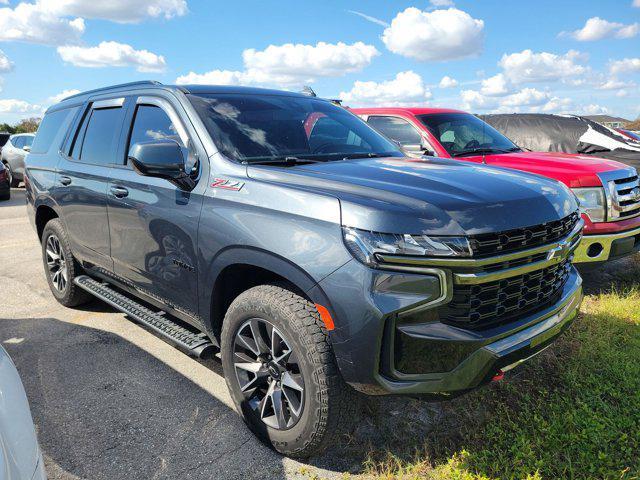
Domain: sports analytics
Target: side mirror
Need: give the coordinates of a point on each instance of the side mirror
(162, 158)
(27, 148)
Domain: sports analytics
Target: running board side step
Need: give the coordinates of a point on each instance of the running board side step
(194, 343)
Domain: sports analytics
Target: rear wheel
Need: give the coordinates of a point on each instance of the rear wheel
(281, 371)
(60, 267)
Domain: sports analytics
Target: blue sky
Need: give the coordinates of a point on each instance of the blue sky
(543, 56)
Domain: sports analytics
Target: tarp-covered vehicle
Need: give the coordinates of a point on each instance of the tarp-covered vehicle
(565, 133)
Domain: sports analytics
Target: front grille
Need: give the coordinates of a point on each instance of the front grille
(489, 304)
(487, 244)
(626, 198)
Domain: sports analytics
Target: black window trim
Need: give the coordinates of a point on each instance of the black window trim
(79, 129)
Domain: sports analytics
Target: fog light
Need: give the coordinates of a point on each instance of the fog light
(594, 250)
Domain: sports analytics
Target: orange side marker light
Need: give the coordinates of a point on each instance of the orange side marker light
(325, 316)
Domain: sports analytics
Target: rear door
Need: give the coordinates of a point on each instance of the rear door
(83, 177)
(153, 223)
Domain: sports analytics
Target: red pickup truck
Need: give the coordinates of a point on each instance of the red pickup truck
(608, 191)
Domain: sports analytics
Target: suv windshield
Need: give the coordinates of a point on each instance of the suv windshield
(464, 134)
(263, 128)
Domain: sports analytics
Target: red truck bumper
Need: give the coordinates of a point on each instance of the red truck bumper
(607, 241)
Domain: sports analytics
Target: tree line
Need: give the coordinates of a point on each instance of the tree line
(27, 125)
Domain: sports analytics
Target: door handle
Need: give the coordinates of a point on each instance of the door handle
(119, 192)
(65, 180)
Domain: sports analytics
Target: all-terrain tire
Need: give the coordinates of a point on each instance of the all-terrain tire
(330, 406)
(71, 295)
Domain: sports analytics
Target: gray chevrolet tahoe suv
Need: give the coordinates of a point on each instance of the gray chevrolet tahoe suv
(284, 231)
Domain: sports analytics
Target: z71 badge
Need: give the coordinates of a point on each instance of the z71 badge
(226, 184)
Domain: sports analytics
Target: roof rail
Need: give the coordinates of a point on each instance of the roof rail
(113, 87)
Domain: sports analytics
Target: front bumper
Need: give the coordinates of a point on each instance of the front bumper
(391, 335)
(600, 248)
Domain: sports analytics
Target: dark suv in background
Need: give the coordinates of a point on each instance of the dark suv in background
(286, 232)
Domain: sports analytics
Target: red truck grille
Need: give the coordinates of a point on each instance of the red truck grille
(488, 304)
(513, 240)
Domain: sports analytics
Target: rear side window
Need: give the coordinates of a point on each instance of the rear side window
(52, 126)
(101, 128)
(17, 142)
(28, 140)
(396, 129)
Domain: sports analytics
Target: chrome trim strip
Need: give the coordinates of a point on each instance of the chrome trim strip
(412, 264)
(109, 103)
(606, 240)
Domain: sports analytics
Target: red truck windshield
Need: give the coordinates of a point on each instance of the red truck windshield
(463, 134)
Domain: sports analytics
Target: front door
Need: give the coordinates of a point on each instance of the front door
(153, 224)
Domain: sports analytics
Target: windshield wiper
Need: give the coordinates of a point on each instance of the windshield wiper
(475, 151)
(351, 156)
(282, 160)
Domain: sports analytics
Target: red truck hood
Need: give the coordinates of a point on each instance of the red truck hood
(571, 169)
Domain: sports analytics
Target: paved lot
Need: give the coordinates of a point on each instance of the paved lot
(110, 400)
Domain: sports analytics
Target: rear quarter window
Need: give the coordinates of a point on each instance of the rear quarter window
(52, 128)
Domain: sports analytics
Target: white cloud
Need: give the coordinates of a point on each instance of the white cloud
(622, 93)
(437, 35)
(62, 95)
(122, 11)
(526, 97)
(527, 66)
(614, 84)
(29, 22)
(11, 105)
(495, 86)
(291, 64)
(592, 109)
(597, 28)
(406, 88)
(443, 3)
(624, 66)
(6, 65)
(526, 100)
(448, 82)
(636, 3)
(294, 63)
(112, 54)
(214, 77)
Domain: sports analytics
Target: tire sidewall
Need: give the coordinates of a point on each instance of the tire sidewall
(54, 227)
(284, 320)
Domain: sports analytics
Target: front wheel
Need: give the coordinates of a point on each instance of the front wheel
(281, 371)
(13, 181)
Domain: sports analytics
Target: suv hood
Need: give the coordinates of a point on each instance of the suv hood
(572, 169)
(434, 196)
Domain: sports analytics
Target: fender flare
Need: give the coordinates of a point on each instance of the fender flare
(245, 255)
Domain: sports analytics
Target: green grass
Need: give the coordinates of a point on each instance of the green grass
(572, 412)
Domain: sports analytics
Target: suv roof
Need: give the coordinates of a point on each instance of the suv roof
(184, 88)
(411, 110)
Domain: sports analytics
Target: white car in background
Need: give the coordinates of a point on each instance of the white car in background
(13, 153)
(20, 456)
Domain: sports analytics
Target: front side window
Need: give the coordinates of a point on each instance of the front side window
(396, 129)
(464, 134)
(152, 123)
(17, 142)
(253, 128)
(28, 140)
(98, 144)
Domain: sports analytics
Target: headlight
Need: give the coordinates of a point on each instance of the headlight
(366, 246)
(592, 202)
